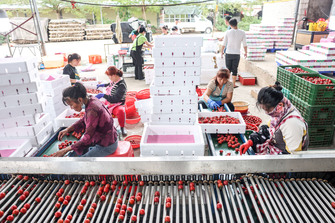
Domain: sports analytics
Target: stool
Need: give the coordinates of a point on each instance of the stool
(124, 149)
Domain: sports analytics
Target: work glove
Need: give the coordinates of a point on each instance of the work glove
(100, 85)
(264, 130)
(212, 104)
(98, 96)
(244, 147)
(219, 103)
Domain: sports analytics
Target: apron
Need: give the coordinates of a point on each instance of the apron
(137, 54)
(111, 106)
(214, 98)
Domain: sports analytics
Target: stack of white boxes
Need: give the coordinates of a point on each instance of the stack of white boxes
(52, 87)
(177, 72)
(21, 111)
(284, 33)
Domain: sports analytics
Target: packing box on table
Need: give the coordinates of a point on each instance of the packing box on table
(19, 78)
(56, 82)
(19, 100)
(14, 147)
(177, 62)
(19, 89)
(175, 100)
(176, 52)
(175, 109)
(177, 81)
(178, 72)
(23, 131)
(18, 121)
(178, 41)
(17, 65)
(171, 90)
(174, 119)
(62, 121)
(167, 140)
(223, 128)
(23, 110)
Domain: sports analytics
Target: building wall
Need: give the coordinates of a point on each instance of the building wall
(319, 9)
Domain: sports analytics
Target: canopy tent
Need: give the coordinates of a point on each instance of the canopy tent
(181, 9)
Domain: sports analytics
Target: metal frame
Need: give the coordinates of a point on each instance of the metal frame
(170, 165)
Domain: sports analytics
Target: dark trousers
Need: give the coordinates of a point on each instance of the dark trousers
(204, 105)
(232, 61)
(138, 63)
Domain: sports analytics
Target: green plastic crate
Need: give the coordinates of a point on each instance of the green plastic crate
(286, 93)
(314, 94)
(287, 78)
(321, 137)
(314, 115)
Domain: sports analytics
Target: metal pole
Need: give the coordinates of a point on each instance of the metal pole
(102, 20)
(10, 50)
(93, 18)
(36, 19)
(294, 35)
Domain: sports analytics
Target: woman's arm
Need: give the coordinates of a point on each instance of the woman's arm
(207, 93)
(228, 98)
(92, 120)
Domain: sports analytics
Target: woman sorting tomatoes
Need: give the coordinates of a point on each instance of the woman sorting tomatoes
(219, 91)
(287, 132)
(100, 136)
(116, 95)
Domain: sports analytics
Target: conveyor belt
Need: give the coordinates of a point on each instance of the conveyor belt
(250, 198)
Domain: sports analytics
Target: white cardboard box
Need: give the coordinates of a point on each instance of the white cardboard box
(18, 121)
(20, 89)
(21, 146)
(177, 81)
(175, 100)
(223, 128)
(178, 41)
(24, 131)
(23, 110)
(176, 52)
(175, 109)
(52, 92)
(61, 121)
(19, 78)
(177, 62)
(178, 72)
(195, 148)
(171, 90)
(17, 65)
(19, 100)
(60, 80)
(173, 119)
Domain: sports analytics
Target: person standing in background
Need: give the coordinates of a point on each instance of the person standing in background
(70, 69)
(165, 30)
(232, 41)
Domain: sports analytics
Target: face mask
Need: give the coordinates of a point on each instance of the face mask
(83, 106)
(275, 112)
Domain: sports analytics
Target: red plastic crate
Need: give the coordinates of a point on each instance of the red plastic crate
(94, 59)
(247, 81)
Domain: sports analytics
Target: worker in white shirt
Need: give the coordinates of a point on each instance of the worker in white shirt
(232, 41)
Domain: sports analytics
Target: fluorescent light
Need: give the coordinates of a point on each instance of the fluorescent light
(4, 22)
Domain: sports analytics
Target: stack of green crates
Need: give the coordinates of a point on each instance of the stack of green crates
(316, 104)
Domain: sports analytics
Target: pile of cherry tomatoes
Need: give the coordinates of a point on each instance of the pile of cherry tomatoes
(297, 70)
(231, 140)
(65, 144)
(93, 91)
(218, 120)
(252, 120)
(76, 115)
(318, 80)
(88, 79)
(252, 127)
(220, 109)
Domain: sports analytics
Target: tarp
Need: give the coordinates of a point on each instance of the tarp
(22, 36)
(118, 29)
(182, 9)
(126, 30)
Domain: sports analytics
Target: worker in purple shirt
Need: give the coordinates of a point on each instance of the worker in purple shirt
(100, 136)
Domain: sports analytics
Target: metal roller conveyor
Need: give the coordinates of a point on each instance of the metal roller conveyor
(246, 198)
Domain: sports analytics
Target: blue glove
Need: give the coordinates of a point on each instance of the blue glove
(98, 96)
(212, 104)
(219, 103)
(100, 85)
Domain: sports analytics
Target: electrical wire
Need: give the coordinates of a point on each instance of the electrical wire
(113, 5)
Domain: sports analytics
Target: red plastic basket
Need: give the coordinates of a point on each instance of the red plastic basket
(130, 100)
(133, 119)
(143, 94)
(134, 140)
